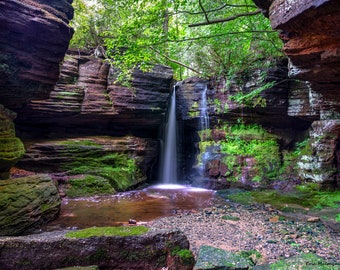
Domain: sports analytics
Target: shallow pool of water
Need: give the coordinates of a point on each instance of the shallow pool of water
(142, 206)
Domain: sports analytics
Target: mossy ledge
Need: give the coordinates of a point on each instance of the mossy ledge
(142, 248)
(108, 231)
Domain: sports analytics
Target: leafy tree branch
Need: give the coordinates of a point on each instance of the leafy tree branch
(226, 19)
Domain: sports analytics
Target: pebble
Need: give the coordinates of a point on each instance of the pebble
(253, 231)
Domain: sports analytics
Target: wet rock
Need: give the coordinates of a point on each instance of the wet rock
(52, 250)
(26, 203)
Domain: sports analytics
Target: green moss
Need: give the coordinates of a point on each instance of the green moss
(89, 158)
(185, 255)
(337, 217)
(253, 256)
(251, 141)
(11, 148)
(227, 217)
(108, 231)
(89, 185)
(76, 143)
(316, 199)
(304, 262)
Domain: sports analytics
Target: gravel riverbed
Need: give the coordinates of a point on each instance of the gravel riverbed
(236, 227)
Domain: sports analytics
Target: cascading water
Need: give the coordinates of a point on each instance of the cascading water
(204, 128)
(204, 113)
(168, 172)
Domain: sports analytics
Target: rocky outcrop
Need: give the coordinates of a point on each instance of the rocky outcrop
(310, 32)
(86, 99)
(11, 148)
(34, 36)
(27, 203)
(123, 161)
(157, 249)
(275, 107)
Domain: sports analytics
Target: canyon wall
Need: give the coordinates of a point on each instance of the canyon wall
(34, 36)
(311, 36)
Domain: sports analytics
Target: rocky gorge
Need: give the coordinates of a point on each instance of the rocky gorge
(64, 120)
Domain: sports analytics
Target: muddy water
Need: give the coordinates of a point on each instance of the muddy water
(143, 205)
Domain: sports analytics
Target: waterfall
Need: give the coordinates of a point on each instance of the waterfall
(204, 129)
(204, 113)
(168, 173)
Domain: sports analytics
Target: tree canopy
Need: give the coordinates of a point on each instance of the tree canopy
(194, 37)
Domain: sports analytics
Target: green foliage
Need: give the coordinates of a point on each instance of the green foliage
(108, 231)
(159, 32)
(252, 141)
(253, 98)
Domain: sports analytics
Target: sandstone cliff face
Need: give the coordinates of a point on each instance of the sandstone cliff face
(87, 100)
(34, 37)
(310, 31)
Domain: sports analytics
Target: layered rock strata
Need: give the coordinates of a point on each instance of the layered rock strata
(154, 250)
(87, 99)
(310, 32)
(34, 36)
(123, 161)
(11, 148)
(27, 203)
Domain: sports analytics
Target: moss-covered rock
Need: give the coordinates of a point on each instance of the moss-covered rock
(215, 258)
(148, 249)
(88, 185)
(11, 148)
(90, 163)
(27, 203)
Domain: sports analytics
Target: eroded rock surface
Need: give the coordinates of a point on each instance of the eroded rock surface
(310, 32)
(34, 36)
(124, 161)
(27, 203)
(87, 99)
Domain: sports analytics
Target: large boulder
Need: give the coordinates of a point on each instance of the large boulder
(156, 249)
(26, 203)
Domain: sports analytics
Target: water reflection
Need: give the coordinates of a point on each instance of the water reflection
(143, 205)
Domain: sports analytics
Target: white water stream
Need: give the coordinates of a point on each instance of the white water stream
(168, 173)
